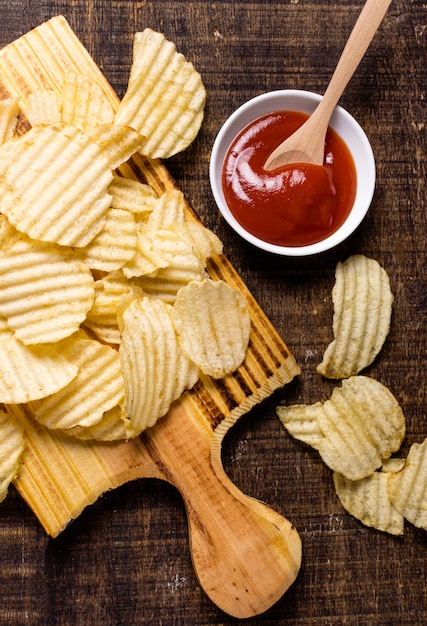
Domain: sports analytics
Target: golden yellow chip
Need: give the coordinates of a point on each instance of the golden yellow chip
(112, 427)
(8, 235)
(9, 111)
(97, 388)
(132, 195)
(359, 427)
(213, 326)
(54, 185)
(84, 104)
(362, 311)
(147, 258)
(30, 372)
(44, 107)
(367, 500)
(155, 371)
(165, 97)
(156, 241)
(169, 281)
(203, 241)
(11, 449)
(115, 245)
(117, 143)
(108, 334)
(45, 292)
(408, 488)
(109, 292)
(168, 210)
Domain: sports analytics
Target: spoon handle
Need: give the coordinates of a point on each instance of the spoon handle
(361, 36)
(307, 144)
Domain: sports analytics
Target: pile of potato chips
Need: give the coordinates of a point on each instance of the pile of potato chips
(107, 312)
(362, 424)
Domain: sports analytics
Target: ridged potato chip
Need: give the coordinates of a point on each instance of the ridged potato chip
(44, 107)
(54, 185)
(8, 235)
(367, 500)
(109, 292)
(45, 292)
(165, 97)
(109, 334)
(84, 104)
(213, 326)
(362, 424)
(9, 111)
(12, 446)
(97, 388)
(302, 422)
(155, 370)
(115, 244)
(132, 195)
(362, 312)
(112, 427)
(117, 143)
(168, 210)
(30, 373)
(203, 241)
(408, 488)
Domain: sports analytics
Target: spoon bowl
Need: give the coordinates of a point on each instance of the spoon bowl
(341, 122)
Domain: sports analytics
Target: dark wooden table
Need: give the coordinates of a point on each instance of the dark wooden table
(126, 561)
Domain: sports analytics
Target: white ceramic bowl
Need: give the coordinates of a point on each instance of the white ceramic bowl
(341, 121)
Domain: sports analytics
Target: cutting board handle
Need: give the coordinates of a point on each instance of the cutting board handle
(245, 555)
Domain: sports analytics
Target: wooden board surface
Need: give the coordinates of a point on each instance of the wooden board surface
(126, 559)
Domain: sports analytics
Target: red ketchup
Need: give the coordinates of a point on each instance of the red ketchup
(292, 205)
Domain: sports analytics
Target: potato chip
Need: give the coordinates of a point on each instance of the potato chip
(9, 111)
(203, 241)
(44, 107)
(8, 235)
(97, 388)
(11, 449)
(132, 195)
(165, 97)
(362, 425)
(408, 488)
(362, 311)
(54, 185)
(168, 210)
(117, 143)
(109, 292)
(367, 500)
(108, 334)
(115, 244)
(155, 370)
(157, 245)
(147, 259)
(30, 372)
(302, 422)
(45, 292)
(84, 104)
(112, 427)
(213, 326)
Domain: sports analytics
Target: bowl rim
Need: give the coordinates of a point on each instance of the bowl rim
(282, 99)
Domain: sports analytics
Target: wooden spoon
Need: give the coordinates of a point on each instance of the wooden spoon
(307, 144)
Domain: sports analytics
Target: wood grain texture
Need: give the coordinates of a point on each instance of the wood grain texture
(126, 559)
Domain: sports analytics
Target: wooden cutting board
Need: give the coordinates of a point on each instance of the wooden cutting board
(245, 554)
